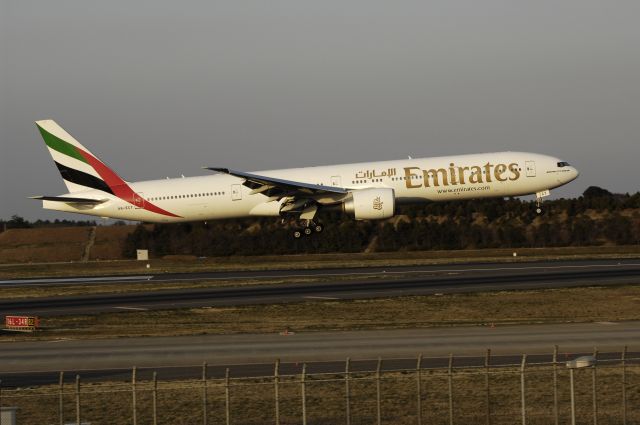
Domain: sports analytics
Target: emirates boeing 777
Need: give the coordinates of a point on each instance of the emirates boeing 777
(366, 191)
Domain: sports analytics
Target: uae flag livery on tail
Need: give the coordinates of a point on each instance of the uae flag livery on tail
(81, 170)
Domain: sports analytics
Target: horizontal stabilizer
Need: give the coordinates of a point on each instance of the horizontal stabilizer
(70, 200)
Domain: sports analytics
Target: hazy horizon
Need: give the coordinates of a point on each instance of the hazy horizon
(161, 89)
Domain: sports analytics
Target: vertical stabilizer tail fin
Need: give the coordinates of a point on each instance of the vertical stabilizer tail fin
(80, 169)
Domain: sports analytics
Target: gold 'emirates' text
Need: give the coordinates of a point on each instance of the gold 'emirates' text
(454, 175)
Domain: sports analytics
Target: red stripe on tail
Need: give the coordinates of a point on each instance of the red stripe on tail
(119, 187)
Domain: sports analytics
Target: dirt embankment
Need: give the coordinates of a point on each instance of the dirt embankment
(55, 244)
(72, 244)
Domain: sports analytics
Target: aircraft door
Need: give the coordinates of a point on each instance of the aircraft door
(236, 192)
(336, 181)
(530, 167)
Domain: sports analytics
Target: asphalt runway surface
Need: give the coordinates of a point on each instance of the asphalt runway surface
(336, 284)
(39, 362)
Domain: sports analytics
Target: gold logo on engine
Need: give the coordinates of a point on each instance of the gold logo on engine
(377, 203)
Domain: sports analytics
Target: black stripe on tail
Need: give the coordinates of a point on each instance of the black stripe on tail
(82, 178)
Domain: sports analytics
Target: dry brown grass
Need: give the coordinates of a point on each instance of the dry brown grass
(32, 245)
(61, 244)
(513, 307)
(252, 400)
(110, 242)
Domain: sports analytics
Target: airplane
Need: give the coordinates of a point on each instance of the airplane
(365, 191)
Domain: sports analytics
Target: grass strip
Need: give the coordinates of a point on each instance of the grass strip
(504, 307)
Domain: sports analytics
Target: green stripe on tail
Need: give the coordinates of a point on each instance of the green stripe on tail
(60, 145)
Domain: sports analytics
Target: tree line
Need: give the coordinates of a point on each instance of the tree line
(17, 222)
(598, 217)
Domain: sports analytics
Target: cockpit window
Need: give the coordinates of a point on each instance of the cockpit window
(563, 164)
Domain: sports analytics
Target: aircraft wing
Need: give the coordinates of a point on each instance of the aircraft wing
(272, 186)
(70, 200)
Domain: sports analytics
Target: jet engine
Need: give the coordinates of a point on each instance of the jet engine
(370, 204)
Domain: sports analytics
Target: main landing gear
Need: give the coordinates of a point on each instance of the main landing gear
(309, 227)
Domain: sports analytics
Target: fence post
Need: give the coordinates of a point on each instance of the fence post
(303, 384)
(450, 381)
(154, 400)
(78, 400)
(487, 360)
(378, 406)
(522, 390)
(419, 388)
(573, 397)
(227, 397)
(347, 388)
(624, 385)
(134, 400)
(595, 386)
(204, 393)
(276, 389)
(555, 385)
(60, 398)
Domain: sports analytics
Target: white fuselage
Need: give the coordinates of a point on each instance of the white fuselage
(222, 196)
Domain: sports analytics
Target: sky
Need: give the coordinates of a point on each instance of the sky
(160, 89)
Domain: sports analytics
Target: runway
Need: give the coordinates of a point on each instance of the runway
(31, 363)
(353, 283)
(471, 267)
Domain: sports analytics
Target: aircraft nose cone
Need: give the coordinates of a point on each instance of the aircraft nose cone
(573, 174)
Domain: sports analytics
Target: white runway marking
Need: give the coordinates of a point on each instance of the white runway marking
(76, 280)
(322, 298)
(400, 272)
(428, 272)
(132, 308)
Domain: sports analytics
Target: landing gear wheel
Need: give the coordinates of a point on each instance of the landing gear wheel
(297, 234)
(308, 231)
(318, 228)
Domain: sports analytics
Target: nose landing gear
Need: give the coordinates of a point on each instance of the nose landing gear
(539, 196)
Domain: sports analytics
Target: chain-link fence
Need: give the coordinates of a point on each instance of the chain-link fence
(526, 392)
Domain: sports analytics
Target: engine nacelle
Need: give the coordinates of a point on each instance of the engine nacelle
(370, 204)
